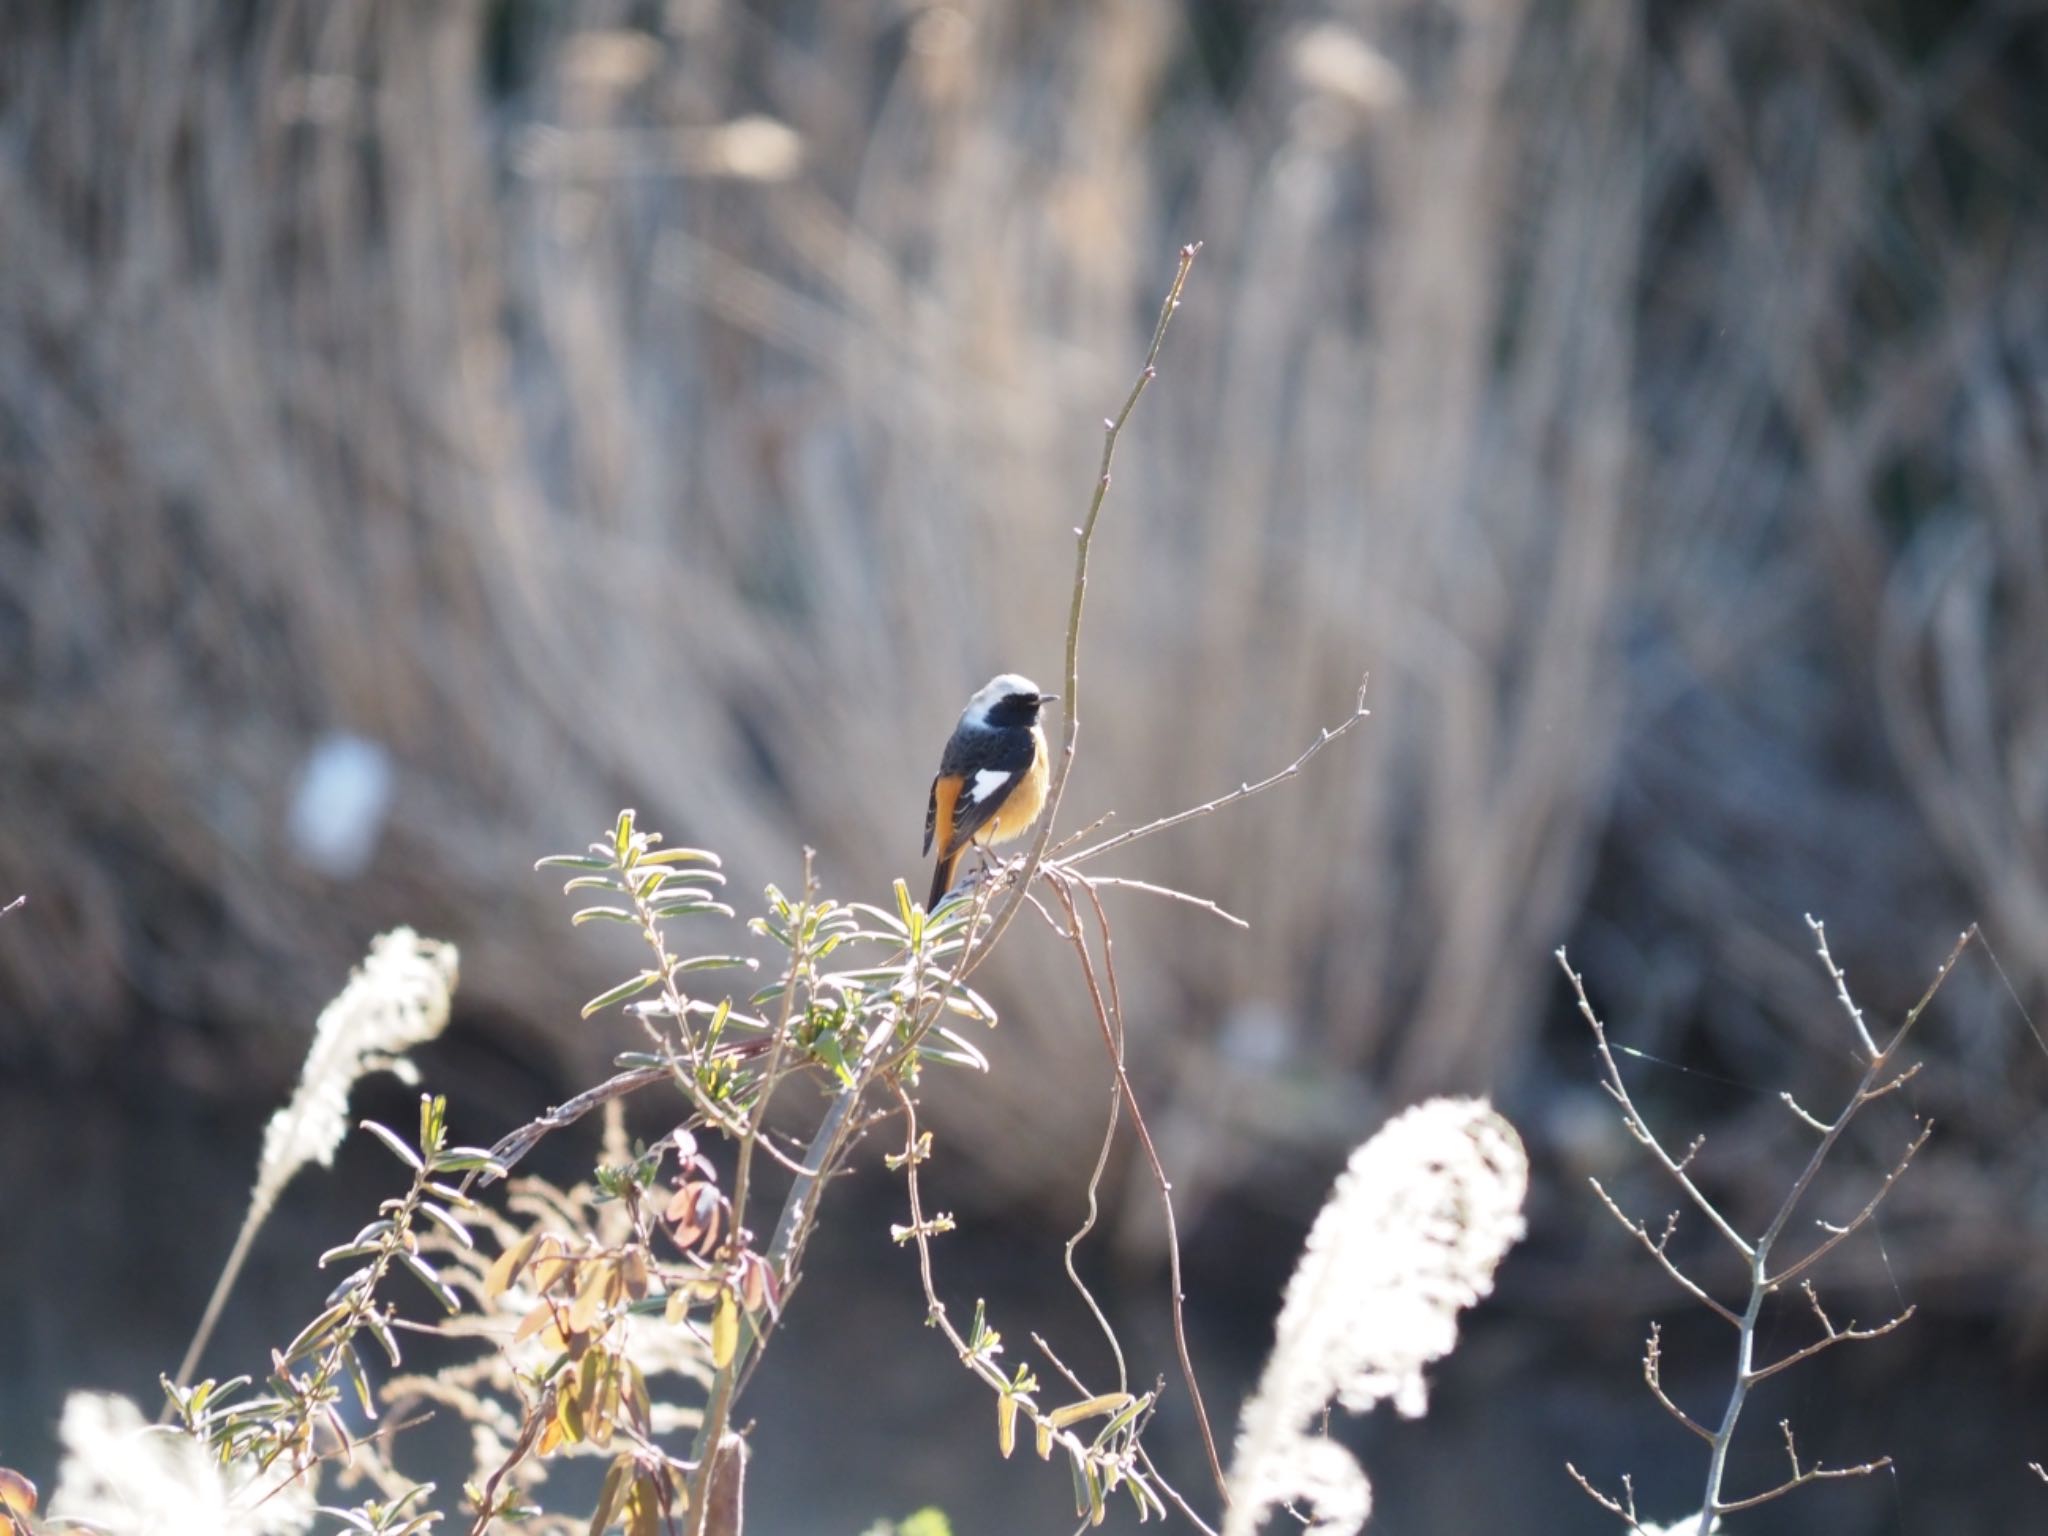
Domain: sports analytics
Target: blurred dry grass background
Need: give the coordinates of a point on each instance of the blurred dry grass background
(685, 405)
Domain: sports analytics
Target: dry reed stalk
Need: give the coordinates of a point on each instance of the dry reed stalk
(523, 401)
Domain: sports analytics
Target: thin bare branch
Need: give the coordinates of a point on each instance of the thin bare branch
(1638, 1127)
(1895, 1084)
(1656, 1247)
(1837, 1234)
(1800, 1477)
(1624, 1507)
(1830, 1335)
(1084, 541)
(1165, 1186)
(1913, 1014)
(510, 1148)
(1881, 1077)
(1079, 835)
(1050, 921)
(1841, 981)
(1653, 1377)
(1242, 792)
(713, 1452)
(1124, 882)
(1794, 1105)
(1173, 1494)
(1116, 1033)
(919, 1233)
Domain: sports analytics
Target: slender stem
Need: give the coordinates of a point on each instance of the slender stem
(1761, 1281)
(718, 1408)
(1638, 1127)
(1084, 542)
(1880, 1077)
(1115, 1036)
(1180, 1333)
(252, 1222)
(799, 970)
(919, 1233)
(1242, 792)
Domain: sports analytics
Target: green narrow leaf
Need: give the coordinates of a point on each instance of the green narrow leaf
(964, 999)
(311, 1335)
(622, 835)
(1133, 1487)
(682, 856)
(890, 926)
(690, 906)
(571, 861)
(433, 1122)
(1073, 1413)
(446, 1221)
(360, 1379)
(396, 1143)
(960, 1053)
(433, 1282)
(347, 1252)
(632, 987)
(1130, 1411)
(601, 914)
(689, 877)
(826, 1049)
(714, 963)
(380, 1330)
(462, 1160)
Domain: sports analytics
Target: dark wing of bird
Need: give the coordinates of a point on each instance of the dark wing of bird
(969, 755)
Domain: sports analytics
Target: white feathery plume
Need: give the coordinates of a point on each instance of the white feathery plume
(397, 999)
(1420, 1218)
(122, 1476)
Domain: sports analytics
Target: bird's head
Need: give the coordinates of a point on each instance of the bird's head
(1010, 699)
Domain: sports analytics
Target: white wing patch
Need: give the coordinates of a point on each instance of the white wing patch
(986, 782)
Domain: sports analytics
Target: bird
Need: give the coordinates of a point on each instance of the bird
(992, 776)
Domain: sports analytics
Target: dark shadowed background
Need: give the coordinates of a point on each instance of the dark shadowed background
(425, 428)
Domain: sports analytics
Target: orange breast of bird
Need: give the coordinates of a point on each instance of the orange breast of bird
(1018, 810)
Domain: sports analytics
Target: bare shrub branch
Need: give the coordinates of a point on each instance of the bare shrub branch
(1883, 1074)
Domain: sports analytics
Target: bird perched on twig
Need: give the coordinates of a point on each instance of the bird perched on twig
(992, 778)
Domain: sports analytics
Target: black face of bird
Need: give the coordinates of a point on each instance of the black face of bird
(1017, 708)
(1009, 700)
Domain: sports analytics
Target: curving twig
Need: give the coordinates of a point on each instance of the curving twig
(1111, 1036)
(1242, 792)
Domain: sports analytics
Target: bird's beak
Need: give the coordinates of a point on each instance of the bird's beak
(1047, 698)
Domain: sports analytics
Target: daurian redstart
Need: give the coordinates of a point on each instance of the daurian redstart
(992, 777)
